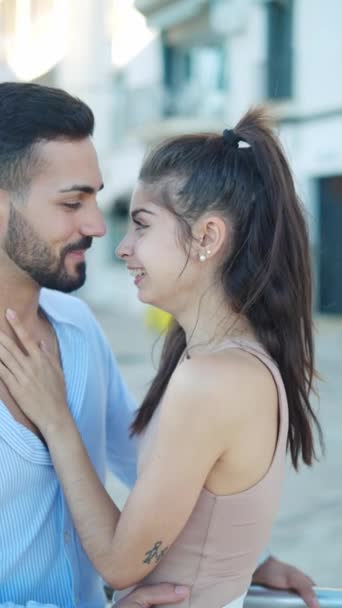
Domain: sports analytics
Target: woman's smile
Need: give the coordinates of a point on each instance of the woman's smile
(137, 273)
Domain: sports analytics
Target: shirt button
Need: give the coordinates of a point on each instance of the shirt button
(67, 537)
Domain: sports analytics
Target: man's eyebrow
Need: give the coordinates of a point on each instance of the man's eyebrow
(140, 210)
(82, 188)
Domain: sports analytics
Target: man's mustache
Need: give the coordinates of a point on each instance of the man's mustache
(84, 243)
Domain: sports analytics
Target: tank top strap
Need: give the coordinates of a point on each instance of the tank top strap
(254, 348)
(243, 344)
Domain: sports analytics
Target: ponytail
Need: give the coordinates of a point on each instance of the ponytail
(275, 290)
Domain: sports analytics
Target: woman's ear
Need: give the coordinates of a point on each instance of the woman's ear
(211, 234)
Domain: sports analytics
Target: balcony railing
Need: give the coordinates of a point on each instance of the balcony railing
(260, 597)
(144, 106)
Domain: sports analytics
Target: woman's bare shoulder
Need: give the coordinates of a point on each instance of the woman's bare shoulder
(230, 381)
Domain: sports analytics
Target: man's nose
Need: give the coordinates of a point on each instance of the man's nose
(93, 224)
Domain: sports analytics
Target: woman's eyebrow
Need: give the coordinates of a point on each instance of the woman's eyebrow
(140, 210)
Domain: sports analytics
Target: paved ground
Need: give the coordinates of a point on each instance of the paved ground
(308, 531)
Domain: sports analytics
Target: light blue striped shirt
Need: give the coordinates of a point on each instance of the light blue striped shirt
(41, 558)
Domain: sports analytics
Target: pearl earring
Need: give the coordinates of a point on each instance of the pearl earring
(202, 257)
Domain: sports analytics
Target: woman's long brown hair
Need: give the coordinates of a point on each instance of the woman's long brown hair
(266, 274)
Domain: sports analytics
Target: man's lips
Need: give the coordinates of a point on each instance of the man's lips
(79, 254)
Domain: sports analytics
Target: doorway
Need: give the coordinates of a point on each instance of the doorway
(330, 250)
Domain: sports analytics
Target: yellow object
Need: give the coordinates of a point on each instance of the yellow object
(157, 319)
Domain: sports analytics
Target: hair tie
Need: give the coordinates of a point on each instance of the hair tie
(230, 138)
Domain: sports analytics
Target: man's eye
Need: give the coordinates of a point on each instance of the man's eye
(72, 205)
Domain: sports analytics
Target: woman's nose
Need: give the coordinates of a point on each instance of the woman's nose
(124, 248)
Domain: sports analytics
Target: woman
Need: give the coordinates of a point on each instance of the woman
(218, 240)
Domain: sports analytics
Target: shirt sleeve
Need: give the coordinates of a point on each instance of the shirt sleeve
(121, 449)
(30, 604)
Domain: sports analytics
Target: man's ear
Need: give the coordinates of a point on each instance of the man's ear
(4, 209)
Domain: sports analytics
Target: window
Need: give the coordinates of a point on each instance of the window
(41, 7)
(177, 66)
(279, 51)
(194, 78)
(7, 17)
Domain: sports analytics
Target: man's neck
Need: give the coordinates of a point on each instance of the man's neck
(21, 294)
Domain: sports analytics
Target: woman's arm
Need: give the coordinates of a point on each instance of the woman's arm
(191, 435)
(125, 549)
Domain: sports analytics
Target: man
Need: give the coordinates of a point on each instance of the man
(49, 180)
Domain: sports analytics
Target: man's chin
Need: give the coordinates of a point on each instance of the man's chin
(69, 287)
(66, 283)
(72, 284)
(74, 279)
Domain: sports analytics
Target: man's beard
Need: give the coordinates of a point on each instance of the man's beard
(33, 255)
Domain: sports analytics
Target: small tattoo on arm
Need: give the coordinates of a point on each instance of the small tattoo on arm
(155, 553)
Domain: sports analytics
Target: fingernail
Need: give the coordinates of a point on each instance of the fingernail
(181, 590)
(10, 314)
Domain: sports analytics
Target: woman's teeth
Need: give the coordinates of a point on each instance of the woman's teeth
(136, 272)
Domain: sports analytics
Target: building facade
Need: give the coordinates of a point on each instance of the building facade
(202, 65)
(221, 56)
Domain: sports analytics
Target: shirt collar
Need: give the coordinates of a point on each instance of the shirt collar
(54, 305)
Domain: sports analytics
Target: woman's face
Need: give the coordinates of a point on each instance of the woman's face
(163, 271)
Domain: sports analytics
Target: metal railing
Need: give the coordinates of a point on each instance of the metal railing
(139, 106)
(260, 597)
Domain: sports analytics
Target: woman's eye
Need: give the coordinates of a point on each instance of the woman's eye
(139, 225)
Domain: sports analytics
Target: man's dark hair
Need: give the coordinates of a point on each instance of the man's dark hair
(32, 114)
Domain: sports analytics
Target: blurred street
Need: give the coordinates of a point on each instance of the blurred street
(308, 532)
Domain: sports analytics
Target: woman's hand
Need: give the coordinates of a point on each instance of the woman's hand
(35, 380)
(279, 575)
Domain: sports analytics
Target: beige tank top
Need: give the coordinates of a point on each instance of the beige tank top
(218, 549)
